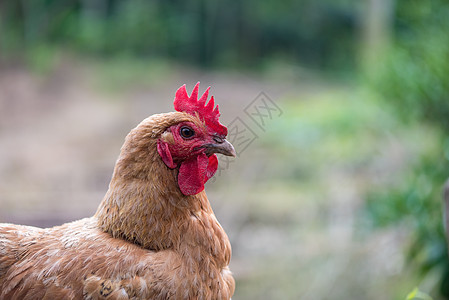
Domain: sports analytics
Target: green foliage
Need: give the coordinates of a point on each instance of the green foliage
(417, 294)
(414, 80)
(207, 33)
(414, 76)
(415, 203)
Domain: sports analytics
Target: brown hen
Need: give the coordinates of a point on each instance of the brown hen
(154, 235)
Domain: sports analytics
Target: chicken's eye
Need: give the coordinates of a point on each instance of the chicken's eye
(186, 132)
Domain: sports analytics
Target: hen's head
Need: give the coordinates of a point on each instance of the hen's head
(191, 144)
(186, 140)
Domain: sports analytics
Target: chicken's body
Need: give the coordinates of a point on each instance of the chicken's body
(150, 238)
(79, 261)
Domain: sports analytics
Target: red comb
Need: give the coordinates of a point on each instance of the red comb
(192, 105)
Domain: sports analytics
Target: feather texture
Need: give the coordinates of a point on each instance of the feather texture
(147, 240)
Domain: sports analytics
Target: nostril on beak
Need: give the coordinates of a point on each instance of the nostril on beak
(218, 140)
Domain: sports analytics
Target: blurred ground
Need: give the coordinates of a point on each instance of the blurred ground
(290, 203)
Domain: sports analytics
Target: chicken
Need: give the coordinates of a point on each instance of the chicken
(154, 235)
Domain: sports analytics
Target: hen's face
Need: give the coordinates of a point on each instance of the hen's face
(187, 139)
(191, 146)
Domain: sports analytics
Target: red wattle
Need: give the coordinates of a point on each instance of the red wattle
(211, 167)
(194, 173)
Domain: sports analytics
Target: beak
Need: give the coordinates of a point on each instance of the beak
(222, 146)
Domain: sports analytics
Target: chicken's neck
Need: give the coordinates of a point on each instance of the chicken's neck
(151, 211)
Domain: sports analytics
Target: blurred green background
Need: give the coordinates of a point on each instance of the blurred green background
(339, 197)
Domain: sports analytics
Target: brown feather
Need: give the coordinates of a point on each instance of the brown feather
(146, 241)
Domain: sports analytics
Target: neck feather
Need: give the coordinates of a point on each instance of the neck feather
(144, 205)
(151, 211)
